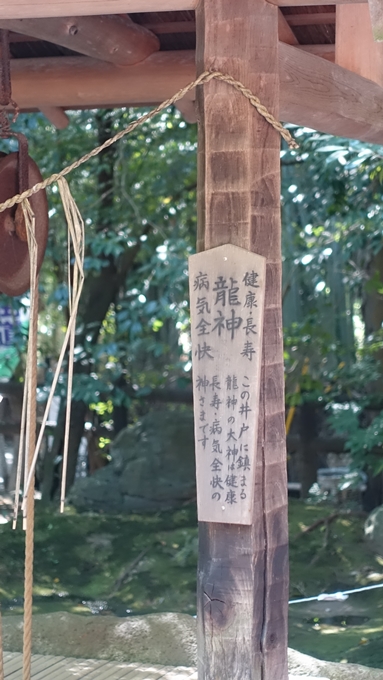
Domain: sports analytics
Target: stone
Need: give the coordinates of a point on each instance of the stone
(152, 468)
(164, 639)
(306, 677)
(373, 530)
(304, 665)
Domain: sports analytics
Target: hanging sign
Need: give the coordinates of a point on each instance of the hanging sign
(227, 288)
(10, 320)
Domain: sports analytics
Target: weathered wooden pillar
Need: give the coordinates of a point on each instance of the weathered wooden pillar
(243, 570)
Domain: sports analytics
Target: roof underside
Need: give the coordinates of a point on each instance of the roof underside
(176, 31)
(83, 66)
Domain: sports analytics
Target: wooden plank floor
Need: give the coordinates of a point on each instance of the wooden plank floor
(60, 668)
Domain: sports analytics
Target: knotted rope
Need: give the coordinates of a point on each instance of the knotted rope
(204, 78)
(30, 390)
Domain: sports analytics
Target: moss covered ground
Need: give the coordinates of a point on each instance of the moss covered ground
(97, 564)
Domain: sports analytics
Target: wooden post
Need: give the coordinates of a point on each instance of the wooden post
(243, 570)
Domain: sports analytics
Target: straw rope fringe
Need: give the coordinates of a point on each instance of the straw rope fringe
(76, 244)
(204, 78)
(76, 239)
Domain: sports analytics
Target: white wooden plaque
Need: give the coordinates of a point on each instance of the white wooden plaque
(227, 290)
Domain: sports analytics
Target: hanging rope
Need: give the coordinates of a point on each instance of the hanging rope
(21, 454)
(204, 78)
(30, 399)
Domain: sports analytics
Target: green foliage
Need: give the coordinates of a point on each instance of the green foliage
(333, 305)
(138, 204)
(79, 559)
(365, 442)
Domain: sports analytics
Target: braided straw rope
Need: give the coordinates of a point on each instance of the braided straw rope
(204, 78)
(30, 439)
(76, 244)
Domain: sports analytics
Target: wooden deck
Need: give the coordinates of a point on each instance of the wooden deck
(60, 668)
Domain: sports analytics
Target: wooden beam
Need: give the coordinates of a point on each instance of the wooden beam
(327, 97)
(313, 91)
(56, 116)
(76, 82)
(285, 33)
(35, 9)
(243, 570)
(186, 107)
(115, 39)
(355, 48)
(18, 38)
(324, 51)
(311, 3)
(310, 19)
(161, 28)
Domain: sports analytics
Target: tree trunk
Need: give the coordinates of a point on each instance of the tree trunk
(49, 484)
(373, 309)
(307, 460)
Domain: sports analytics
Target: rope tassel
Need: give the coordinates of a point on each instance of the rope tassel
(76, 244)
(76, 238)
(29, 449)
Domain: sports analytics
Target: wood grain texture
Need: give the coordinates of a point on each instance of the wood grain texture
(325, 51)
(109, 38)
(161, 28)
(306, 3)
(355, 48)
(46, 667)
(312, 19)
(31, 9)
(329, 98)
(75, 82)
(313, 91)
(243, 573)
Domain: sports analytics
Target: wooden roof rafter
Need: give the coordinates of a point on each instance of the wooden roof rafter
(310, 19)
(57, 81)
(21, 9)
(115, 39)
(313, 91)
